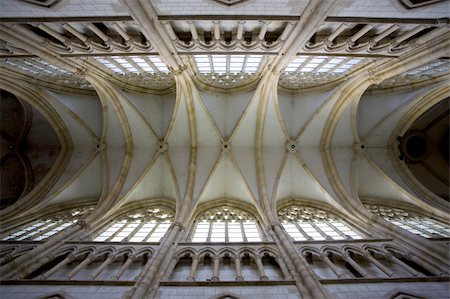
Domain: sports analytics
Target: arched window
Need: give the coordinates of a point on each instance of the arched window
(305, 223)
(416, 224)
(144, 225)
(226, 224)
(44, 228)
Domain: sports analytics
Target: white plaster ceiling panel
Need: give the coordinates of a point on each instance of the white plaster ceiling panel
(373, 108)
(157, 182)
(274, 135)
(80, 156)
(312, 132)
(379, 136)
(115, 147)
(179, 157)
(297, 109)
(178, 135)
(207, 157)
(66, 8)
(314, 164)
(381, 158)
(87, 108)
(343, 133)
(244, 134)
(226, 182)
(226, 109)
(389, 9)
(245, 159)
(87, 183)
(343, 158)
(274, 144)
(251, 7)
(273, 158)
(208, 135)
(296, 182)
(373, 183)
(157, 110)
(78, 130)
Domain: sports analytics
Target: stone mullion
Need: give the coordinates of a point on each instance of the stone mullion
(244, 236)
(134, 231)
(416, 227)
(322, 64)
(308, 60)
(319, 230)
(336, 229)
(430, 226)
(226, 231)
(151, 64)
(208, 239)
(134, 64)
(115, 63)
(51, 227)
(324, 257)
(118, 231)
(301, 230)
(102, 229)
(151, 231)
(23, 227)
(339, 64)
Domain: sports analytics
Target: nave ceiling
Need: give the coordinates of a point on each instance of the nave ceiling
(170, 130)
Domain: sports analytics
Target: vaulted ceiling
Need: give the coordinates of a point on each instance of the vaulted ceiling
(194, 102)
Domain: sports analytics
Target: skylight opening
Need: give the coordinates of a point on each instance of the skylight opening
(133, 64)
(322, 64)
(228, 64)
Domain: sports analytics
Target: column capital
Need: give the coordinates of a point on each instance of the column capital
(177, 223)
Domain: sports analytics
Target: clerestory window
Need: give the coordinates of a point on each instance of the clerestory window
(226, 224)
(416, 224)
(144, 225)
(44, 228)
(305, 223)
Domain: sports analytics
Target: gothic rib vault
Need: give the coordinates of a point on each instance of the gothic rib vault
(146, 116)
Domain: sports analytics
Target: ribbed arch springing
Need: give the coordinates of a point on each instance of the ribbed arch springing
(306, 223)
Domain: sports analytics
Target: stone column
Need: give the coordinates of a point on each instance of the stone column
(194, 265)
(124, 267)
(390, 256)
(262, 273)
(379, 265)
(110, 258)
(61, 264)
(81, 265)
(355, 265)
(146, 266)
(332, 266)
(314, 288)
(283, 268)
(237, 267)
(216, 264)
(144, 283)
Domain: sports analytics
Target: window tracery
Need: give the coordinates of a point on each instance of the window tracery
(305, 223)
(44, 228)
(416, 224)
(226, 224)
(144, 225)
